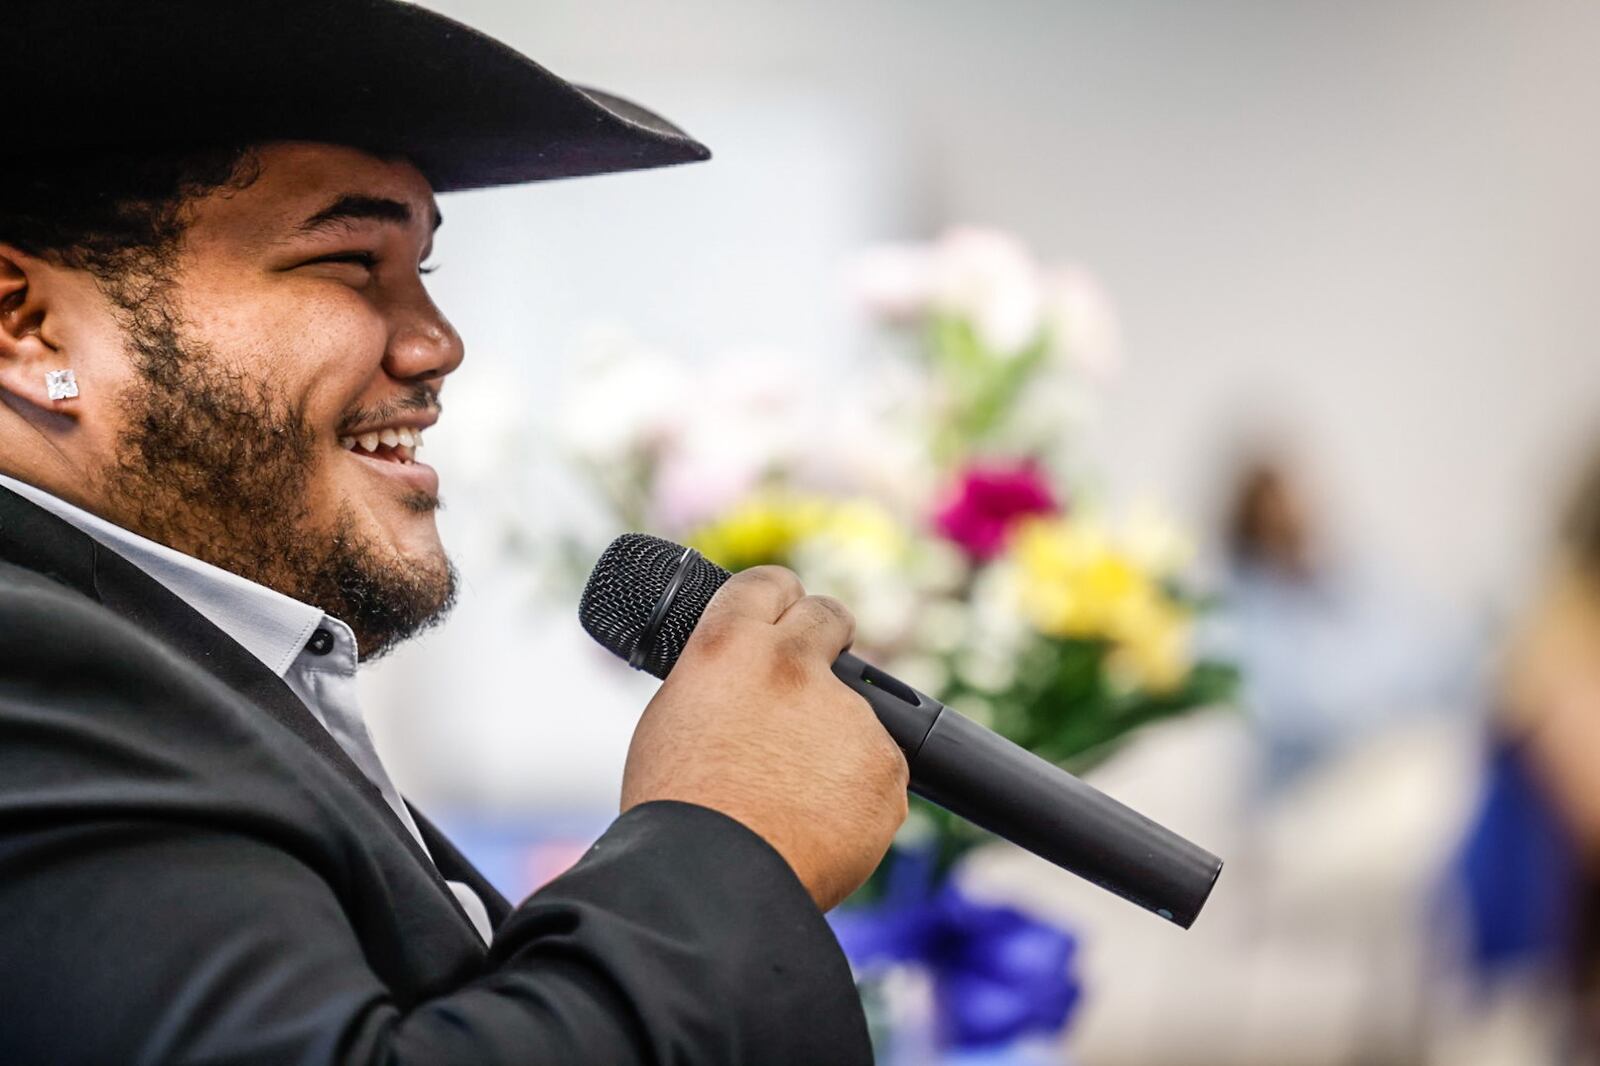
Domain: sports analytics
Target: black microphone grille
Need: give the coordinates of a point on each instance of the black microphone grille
(627, 584)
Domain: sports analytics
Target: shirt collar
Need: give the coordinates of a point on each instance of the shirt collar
(266, 623)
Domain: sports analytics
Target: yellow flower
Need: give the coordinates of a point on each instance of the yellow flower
(761, 529)
(1152, 651)
(864, 527)
(772, 525)
(1074, 582)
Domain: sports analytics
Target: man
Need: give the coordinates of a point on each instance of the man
(216, 355)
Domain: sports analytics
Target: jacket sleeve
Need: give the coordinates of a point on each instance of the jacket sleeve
(140, 933)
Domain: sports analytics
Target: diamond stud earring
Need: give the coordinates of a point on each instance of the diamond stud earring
(61, 384)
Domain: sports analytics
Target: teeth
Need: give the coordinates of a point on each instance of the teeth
(403, 441)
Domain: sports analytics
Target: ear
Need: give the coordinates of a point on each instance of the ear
(26, 356)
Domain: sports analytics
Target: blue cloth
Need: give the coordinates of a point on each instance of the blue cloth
(998, 974)
(1518, 868)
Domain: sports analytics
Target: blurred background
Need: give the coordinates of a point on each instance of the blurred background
(1350, 249)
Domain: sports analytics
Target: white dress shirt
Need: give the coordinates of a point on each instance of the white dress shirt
(314, 652)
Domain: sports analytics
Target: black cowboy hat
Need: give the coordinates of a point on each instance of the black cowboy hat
(388, 77)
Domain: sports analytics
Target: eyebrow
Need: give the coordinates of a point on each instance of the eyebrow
(354, 207)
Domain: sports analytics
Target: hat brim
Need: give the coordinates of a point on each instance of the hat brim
(382, 75)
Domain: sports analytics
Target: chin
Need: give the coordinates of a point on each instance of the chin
(415, 538)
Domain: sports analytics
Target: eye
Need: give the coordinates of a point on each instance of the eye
(365, 260)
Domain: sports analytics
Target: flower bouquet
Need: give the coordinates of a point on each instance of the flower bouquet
(940, 496)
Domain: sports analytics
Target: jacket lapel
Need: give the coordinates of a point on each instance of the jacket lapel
(34, 538)
(456, 867)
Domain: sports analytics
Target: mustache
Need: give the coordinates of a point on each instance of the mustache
(419, 397)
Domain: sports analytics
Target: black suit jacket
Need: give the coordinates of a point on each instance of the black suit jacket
(193, 871)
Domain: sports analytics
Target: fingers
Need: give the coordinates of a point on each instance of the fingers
(761, 593)
(821, 624)
(813, 625)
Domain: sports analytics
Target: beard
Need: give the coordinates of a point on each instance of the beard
(218, 466)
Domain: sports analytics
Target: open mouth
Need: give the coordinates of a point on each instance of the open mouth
(387, 445)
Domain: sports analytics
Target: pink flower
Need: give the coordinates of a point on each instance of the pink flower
(988, 502)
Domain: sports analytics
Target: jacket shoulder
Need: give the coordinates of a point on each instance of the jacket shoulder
(95, 711)
(50, 629)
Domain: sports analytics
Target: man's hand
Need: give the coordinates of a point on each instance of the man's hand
(752, 723)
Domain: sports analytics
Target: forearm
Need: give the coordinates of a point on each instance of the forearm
(680, 938)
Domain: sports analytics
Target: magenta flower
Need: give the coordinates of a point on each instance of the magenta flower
(988, 502)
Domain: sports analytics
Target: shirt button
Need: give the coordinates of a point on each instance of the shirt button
(321, 642)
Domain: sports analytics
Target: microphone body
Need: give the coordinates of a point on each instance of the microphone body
(979, 775)
(644, 598)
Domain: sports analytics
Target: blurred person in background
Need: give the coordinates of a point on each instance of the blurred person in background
(1333, 651)
(1528, 868)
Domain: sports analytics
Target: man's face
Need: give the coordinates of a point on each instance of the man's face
(228, 411)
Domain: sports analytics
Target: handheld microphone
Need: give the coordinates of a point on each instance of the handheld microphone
(645, 596)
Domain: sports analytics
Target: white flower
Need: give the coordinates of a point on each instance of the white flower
(1154, 541)
(985, 276)
(942, 626)
(1048, 415)
(986, 671)
(868, 575)
(696, 483)
(925, 673)
(999, 629)
(756, 412)
(939, 566)
(1083, 324)
(866, 440)
(989, 278)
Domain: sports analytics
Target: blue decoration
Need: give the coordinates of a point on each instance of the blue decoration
(998, 974)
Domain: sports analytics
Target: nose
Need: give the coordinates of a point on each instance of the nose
(422, 344)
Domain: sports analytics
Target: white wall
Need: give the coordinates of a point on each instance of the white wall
(1371, 218)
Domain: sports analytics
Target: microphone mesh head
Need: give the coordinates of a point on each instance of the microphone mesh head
(624, 588)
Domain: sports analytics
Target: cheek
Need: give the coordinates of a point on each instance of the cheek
(340, 351)
(319, 343)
